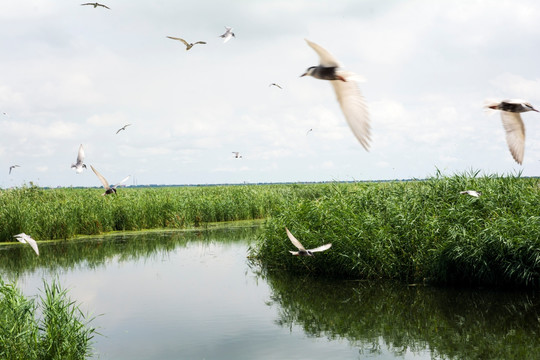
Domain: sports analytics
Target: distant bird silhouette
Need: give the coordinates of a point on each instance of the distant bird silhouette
(276, 85)
(123, 128)
(513, 124)
(310, 130)
(348, 95)
(26, 239)
(95, 5)
(301, 250)
(108, 189)
(471, 193)
(188, 45)
(13, 167)
(237, 155)
(227, 35)
(79, 166)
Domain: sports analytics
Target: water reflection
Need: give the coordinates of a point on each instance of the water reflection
(449, 323)
(93, 252)
(192, 294)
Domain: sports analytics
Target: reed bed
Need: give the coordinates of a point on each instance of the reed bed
(62, 332)
(65, 213)
(416, 231)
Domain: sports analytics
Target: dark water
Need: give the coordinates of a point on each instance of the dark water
(194, 295)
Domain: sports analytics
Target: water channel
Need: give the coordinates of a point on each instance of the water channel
(195, 295)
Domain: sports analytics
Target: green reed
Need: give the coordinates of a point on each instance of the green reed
(415, 231)
(62, 332)
(65, 213)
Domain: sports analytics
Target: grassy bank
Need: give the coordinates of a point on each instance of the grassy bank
(62, 332)
(65, 213)
(415, 231)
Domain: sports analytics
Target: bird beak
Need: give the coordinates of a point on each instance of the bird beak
(304, 74)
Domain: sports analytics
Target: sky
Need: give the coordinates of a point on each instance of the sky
(72, 74)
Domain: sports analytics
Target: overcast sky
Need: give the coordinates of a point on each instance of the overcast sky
(72, 74)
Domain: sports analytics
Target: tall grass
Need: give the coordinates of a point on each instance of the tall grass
(416, 231)
(64, 213)
(63, 331)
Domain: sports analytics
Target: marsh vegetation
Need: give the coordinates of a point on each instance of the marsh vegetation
(415, 231)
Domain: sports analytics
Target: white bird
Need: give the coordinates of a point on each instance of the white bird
(471, 193)
(227, 34)
(26, 239)
(348, 95)
(237, 155)
(13, 167)
(301, 250)
(95, 5)
(79, 166)
(108, 189)
(123, 128)
(188, 45)
(513, 124)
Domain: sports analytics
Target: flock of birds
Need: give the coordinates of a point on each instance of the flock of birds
(355, 110)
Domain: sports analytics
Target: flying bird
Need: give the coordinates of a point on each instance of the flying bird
(471, 193)
(26, 239)
(348, 94)
(276, 85)
(79, 166)
(13, 167)
(301, 250)
(123, 128)
(513, 124)
(95, 5)
(227, 35)
(188, 45)
(108, 189)
(307, 132)
(237, 155)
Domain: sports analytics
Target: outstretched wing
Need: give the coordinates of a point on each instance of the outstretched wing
(326, 59)
(200, 42)
(355, 110)
(122, 181)
(295, 241)
(101, 178)
(80, 155)
(26, 239)
(321, 248)
(179, 39)
(515, 134)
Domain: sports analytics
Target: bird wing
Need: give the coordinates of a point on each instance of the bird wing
(326, 59)
(20, 237)
(101, 178)
(80, 155)
(122, 181)
(200, 42)
(321, 248)
(105, 6)
(179, 39)
(295, 241)
(226, 37)
(354, 108)
(26, 239)
(515, 134)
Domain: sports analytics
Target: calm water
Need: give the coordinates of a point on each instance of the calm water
(193, 295)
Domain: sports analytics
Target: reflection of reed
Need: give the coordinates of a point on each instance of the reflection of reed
(461, 324)
(97, 251)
